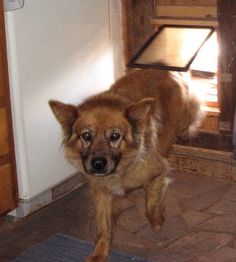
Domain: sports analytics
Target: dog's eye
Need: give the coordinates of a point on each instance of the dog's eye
(114, 137)
(86, 136)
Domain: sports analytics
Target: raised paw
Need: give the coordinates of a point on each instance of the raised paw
(157, 221)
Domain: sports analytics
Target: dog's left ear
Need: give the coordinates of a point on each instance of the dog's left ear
(141, 110)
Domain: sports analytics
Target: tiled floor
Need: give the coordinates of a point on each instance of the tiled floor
(200, 223)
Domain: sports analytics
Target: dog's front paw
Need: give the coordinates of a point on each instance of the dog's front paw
(157, 222)
(157, 228)
(96, 258)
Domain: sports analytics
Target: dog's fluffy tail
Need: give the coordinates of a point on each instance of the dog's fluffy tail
(194, 115)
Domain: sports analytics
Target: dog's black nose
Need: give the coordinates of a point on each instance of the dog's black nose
(99, 164)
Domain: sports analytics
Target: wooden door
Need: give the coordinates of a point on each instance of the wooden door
(227, 63)
(8, 185)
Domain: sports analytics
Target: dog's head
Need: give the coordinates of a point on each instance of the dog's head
(100, 134)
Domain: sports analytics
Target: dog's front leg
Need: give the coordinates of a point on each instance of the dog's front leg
(103, 205)
(155, 192)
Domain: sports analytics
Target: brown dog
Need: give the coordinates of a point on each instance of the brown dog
(118, 139)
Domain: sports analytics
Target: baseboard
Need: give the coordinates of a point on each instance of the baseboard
(201, 161)
(29, 206)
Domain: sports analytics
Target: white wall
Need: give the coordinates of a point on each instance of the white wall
(56, 49)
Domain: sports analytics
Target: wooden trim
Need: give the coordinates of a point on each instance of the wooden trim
(5, 159)
(136, 24)
(186, 11)
(6, 92)
(127, 29)
(2, 102)
(191, 22)
(227, 65)
(188, 2)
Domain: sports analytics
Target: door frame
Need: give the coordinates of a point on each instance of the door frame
(6, 103)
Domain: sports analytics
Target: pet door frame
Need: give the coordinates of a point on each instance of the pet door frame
(134, 64)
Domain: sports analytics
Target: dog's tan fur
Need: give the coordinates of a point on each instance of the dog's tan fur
(148, 109)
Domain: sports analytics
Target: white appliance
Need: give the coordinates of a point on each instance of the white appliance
(56, 50)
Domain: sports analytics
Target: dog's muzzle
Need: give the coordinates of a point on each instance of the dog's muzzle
(100, 165)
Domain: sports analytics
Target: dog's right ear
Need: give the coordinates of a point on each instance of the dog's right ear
(65, 114)
(140, 110)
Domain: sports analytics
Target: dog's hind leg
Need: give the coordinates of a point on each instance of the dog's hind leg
(155, 193)
(167, 135)
(103, 205)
